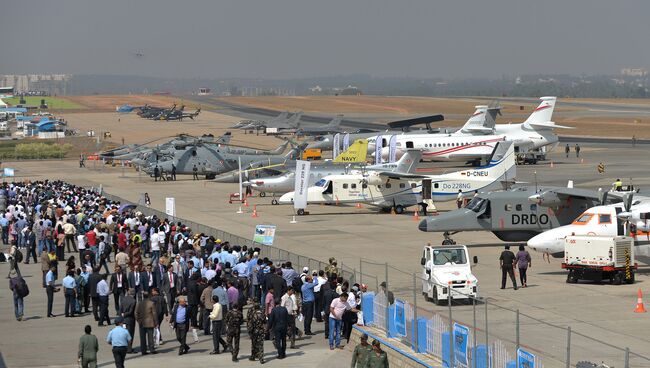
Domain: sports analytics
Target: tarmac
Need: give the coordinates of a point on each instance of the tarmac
(603, 312)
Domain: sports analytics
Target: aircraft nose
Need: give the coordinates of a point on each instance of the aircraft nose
(423, 225)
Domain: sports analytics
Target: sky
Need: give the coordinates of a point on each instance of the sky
(308, 38)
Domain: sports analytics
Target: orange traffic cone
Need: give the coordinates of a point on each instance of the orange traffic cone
(392, 211)
(416, 216)
(639, 303)
(337, 200)
(245, 203)
(254, 212)
(359, 205)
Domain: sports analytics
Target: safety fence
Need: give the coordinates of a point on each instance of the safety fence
(462, 329)
(468, 331)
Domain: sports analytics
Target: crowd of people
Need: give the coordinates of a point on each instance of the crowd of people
(160, 272)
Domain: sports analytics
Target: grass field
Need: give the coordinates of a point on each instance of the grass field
(55, 103)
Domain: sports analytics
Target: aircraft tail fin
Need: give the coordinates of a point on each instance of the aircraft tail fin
(502, 165)
(283, 116)
(294, 121)
(355, 153)
(296, 152)
(482, 120)
(334, 123)
(541, 116)
(279, 149)
(408, 162)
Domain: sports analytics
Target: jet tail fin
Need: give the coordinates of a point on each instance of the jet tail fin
(541, 116)
(279, 149)
(294, 121)
(502, 163)
(482, 120)
(355, 153)
(335, 122)
(408, 162)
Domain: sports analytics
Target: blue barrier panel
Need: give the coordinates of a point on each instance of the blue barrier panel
(368, 306)
(478, 355)
(511, 364)
(445, 350)
(392, 330)
(422, 335)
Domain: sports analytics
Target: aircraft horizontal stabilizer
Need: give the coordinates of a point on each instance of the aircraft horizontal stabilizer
(549, 125)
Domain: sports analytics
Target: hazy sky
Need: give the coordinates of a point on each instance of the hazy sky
(304, 38)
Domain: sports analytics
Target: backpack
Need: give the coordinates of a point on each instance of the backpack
(18, 255)
(22, 290)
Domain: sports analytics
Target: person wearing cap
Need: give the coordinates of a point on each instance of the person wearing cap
(389, 294)
(331, 268)
(361, 353)
(119, 338)
(377, 358)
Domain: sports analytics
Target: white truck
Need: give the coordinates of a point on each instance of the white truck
(446, 272)
(598, 258)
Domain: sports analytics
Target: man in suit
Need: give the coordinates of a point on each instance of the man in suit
(119, 286)
(145, 314)
(180, 321)
(169, 286)
(127, 312)
(148, 280)
(193, 298)
(93, 280)
(135, 282)
(278, 323)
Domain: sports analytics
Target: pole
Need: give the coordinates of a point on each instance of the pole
(474, 334)
(415, 314)
(387, 303)
(517, 330)
(568, 348)
(360, 271)
(487, 345)
(451, 328)
(627, 357)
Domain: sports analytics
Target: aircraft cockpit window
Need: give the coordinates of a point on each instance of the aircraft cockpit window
(321, 183)
(448, 256)
(193, 152)
(583, 219)
(604, 219)
(475, 204)
(518, 207)
(345, 186)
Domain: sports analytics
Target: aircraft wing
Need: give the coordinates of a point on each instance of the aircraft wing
(557, 196)
(401, 175)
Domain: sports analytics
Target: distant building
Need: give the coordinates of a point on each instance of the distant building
(634, 72)
(36, 84)
(203, 91)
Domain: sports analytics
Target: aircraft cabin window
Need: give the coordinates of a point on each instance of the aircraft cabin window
(345, 186)
(605, 219)
(413, 185)
(353, 186)
(402, 185)
(508, 207)
(435, 185)
(364, 186)
(388, 185)
(409, 144)
(518, 207)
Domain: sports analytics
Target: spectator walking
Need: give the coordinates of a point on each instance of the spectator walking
(234, 319)
(88, 348)
(507, 262)
(119, 339)
(278, 324)
(524, 262)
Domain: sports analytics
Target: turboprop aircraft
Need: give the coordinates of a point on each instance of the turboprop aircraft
(514, 215)
(403, 188)
(629, 217)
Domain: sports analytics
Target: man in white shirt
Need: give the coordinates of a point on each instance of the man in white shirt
(290, 302)
(155, 249)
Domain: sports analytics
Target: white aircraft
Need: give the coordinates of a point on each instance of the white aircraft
(477, 137)
(631, 216)
(398, 190)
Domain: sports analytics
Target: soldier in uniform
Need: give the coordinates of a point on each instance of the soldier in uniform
(361, 353)
(331, 268)
(234, 319)
(256, 324)
(377, 358)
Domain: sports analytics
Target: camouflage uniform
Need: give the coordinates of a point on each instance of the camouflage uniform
(234, 319)
(331, 268)
(256, 324)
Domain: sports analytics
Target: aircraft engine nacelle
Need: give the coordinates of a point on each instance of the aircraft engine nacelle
(548, 199)
(373, 180)
(385, 152)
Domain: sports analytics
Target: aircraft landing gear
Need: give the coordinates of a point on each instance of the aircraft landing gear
(399, 209)
(300, 212)
(262, 194)
(448, 240)
(274, 202)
